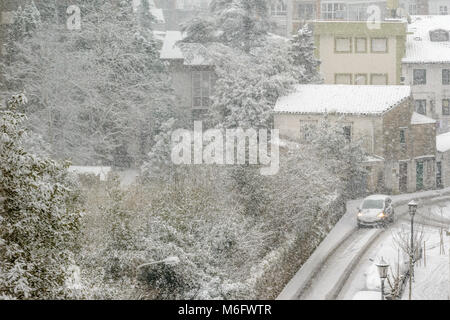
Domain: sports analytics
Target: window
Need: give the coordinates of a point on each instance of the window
(306, 11)
(347, 130)
(446, 107)
(278, 8)
(357, 13)
(402, 136)
(307, 127)
(412, 9)
(420, 76)
(446, 76)
(343, 45)
(379, 45)
(439, 35)
(421, 106)
(439, 174)
(443, 10)
(373, 204)
(378, 79)
(333, 11)
(202, 87)
(343, 78)
(361, 45)
(361, 79)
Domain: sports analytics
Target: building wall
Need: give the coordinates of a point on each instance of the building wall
(393, 121)
(444, 159)
(369, 129)
(353, 63)
(182, 84)
(433, 91)
(434, 6)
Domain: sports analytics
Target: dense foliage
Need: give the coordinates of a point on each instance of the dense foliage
(39, 216)
(98, 94)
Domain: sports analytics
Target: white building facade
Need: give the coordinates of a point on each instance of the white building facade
(426, 67)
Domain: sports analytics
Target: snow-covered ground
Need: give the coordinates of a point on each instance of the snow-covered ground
(431, 280)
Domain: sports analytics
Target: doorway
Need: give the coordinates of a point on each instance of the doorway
(403, 180)
(419, 175)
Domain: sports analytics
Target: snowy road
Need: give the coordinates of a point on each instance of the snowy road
(364, 275)
(349, 267)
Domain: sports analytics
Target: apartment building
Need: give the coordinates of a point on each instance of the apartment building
(352, 53)
(426, 67)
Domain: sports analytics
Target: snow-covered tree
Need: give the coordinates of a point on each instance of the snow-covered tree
(344, 158)
(99, 94)
(39, 216)
(302, 55)
(26, 21)
(248, 86)
(237, 23)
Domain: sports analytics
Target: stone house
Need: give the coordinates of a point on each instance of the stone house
(399, 143)
(426, 67)
(193, 76)
(443, 160)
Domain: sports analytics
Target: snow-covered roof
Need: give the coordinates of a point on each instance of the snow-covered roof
(418, 118)
(443, 142)
(342, 99)
(158, 14)
(192, 54)
(170, 50)
(419, 47)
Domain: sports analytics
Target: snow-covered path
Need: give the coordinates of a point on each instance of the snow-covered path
(329, 279)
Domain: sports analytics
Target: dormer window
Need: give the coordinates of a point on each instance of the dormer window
(439, 35)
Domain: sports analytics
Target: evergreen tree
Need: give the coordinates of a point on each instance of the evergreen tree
(240, 24)
(26, 21)
(302, 55)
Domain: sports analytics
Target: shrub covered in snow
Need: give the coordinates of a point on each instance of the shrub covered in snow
(39, 216)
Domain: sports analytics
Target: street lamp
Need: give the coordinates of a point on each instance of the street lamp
(412, 212)
(383, 272)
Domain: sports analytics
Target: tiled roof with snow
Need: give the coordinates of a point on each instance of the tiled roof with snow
(420, 48)
(342, 99)
(418, 118)
(443, 142)
(170, 50)
(192, 54)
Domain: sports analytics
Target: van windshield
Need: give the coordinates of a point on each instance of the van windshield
(373, 204)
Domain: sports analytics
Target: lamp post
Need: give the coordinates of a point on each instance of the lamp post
(412, 211)
(383, 272)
